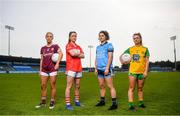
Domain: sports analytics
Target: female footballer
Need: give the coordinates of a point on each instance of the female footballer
(49, 69)
(103, 69)
(74, 54)
(138, 69)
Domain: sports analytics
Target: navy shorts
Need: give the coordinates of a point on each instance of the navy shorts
(101, 74)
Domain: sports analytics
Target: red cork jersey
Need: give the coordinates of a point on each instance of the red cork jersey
(73, 63)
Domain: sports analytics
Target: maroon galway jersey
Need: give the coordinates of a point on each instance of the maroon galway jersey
(47, 63)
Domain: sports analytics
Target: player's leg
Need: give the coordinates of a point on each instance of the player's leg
(53, 89)
(70, 81)
(77, 81)
(140, 92)
(102, 86)
(76, 91)
(132, 84)
(43, 79)
(109, 81)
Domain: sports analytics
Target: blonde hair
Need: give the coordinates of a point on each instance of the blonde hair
(138, 34)
(50, 33)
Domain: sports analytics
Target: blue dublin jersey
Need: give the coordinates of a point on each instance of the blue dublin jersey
(102, 55)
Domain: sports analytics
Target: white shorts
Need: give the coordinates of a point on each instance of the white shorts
(74, 74)
(48, 74)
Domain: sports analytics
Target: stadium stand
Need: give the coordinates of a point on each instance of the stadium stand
(23, 68)
(14, 64)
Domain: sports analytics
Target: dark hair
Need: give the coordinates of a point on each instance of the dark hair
(70, 33)
(138, 34)
(51, 34)
(106, 34)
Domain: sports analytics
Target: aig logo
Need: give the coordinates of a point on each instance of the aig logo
(136, 57)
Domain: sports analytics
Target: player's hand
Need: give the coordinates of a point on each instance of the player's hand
(145, 74)
(56, 67)
(96, 71)
(81, 55)
(106, 72)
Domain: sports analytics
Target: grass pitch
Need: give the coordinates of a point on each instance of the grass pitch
(19, 93)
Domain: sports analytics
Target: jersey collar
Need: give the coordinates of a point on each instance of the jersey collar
(49, 46)
(73, 44)
(103, 43)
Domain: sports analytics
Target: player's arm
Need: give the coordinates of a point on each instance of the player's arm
(110, 57)
(96, 71)
(147, 67)
(72, 53)
(60, 55)
(40, 68)
(81, 55)
(146, 63)
(59, 58)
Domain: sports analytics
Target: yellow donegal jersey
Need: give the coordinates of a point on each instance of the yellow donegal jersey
(138, 55)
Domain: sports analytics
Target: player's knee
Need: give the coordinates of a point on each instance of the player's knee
(53, 86)
(140, 89)
(77, 86)
(102, 86)
(110, 86)
(131, 89)
(68, 87)
(54, 82)
(43, 86)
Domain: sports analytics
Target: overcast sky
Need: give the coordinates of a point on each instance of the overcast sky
(156, 20)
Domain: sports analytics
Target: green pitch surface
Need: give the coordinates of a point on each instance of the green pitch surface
(19, 93)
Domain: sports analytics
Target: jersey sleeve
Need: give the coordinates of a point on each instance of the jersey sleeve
(68, 48)
(110, 48)
(56, 48)
(127, 51)
(41, 51)
(147, 54)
